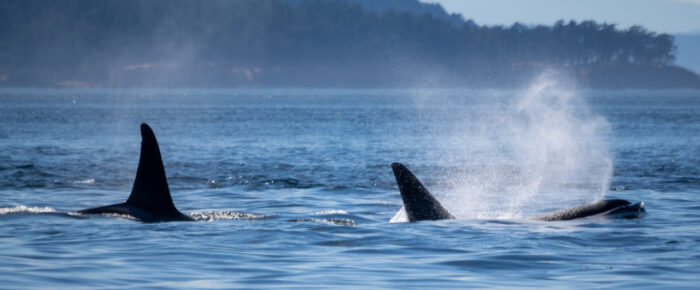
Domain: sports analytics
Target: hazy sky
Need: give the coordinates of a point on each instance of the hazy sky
(669, 16)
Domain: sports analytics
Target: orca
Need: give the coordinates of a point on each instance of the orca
(418, 202)
(615, 208)
(150, 199)
(421, 205)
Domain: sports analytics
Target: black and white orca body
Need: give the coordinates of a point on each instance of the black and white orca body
(421, 205)
(150, 199)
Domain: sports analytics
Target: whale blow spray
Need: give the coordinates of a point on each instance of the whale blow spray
(531, 151)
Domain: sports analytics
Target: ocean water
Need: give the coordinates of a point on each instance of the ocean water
(293, 188)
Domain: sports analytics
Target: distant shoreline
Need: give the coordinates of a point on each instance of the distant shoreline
(594, 76)
(300, 43)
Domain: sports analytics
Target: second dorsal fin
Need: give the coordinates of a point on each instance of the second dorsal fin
(150, 189)
(418, 202)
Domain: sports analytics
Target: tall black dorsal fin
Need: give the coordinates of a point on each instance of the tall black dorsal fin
(418, 202)
(150, 189)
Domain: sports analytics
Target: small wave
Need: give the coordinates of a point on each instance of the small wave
(24, 209)
(85, 181)
(340, 222)
(226, 215)
(25, 166)
(331, 211)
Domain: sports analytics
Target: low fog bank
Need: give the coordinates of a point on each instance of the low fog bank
(312, 43)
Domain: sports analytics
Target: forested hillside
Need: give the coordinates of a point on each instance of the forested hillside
(124, 43)
(410, 6)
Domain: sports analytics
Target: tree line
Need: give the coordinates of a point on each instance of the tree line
(87, 38)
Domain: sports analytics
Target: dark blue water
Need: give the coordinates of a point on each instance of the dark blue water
(293, 188)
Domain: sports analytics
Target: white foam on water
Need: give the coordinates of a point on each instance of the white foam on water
(85, 181)
(225, 215)
(336, 221)
(25, 209)
(400, 216)
(331, 211)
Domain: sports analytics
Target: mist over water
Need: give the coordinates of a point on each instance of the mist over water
(541, 149)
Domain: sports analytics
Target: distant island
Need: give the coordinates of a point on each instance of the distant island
(312, 43)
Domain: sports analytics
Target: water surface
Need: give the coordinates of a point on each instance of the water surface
(293, 188)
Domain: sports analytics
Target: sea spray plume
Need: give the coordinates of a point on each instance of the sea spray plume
(560, 145)
(506, 154)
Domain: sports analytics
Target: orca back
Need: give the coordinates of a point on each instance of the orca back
(581, 211)
(418, 202)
